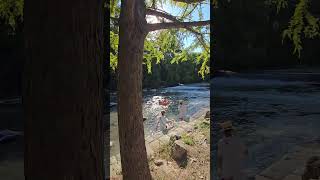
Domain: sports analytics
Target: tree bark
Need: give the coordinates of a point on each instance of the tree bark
(62, 95)
(132, 33)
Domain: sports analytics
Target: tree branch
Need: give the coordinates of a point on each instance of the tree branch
(189, 1)
(163, 14)
(173, 25)
(185, 15)
(176, 24)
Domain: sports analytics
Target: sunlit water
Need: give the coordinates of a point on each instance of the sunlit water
(271, 116)
(196, 96)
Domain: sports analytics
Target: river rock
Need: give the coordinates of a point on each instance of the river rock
(164, 139)
(179, 152)
(159, 162)
(177, 137)
(207, 116)
(188, 128)
(179, 130)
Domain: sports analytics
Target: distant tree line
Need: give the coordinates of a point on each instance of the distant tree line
(166, 73)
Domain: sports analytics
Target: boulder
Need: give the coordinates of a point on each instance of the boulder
(179, 152)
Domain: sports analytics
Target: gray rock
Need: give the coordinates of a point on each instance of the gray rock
(207, 116)
(177, 137)
(159, 162)
(179, 152)
(174, 138)
(164, 139)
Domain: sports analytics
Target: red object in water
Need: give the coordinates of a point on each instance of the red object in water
(164, 102)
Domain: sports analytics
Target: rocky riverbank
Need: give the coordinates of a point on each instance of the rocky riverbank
(183, 153)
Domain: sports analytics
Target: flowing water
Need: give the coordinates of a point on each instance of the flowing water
(196, 96)
(270, 115)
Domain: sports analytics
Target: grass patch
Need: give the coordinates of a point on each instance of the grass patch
(187, 139)
(165, 151)
(206, 133)
(204, 125)
(204, 128)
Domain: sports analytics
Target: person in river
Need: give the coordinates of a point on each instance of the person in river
(231, 154)
(164, 102)
(163, 123)
(182, 111)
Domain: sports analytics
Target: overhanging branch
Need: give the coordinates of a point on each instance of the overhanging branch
(176, 25)
(155, 12)
(172, 25)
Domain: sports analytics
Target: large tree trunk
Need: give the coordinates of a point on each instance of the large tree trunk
(131, 132)
(63, 96)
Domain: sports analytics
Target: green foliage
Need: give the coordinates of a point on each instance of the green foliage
(11, 11)
(304, 22)
(114, 42)
(205, 68)
(187, 139)
(167, 74)
(169, 41)
(204, 125)
(114, 7)
(165, 151)
(165, 43)
(204, 128)
(301, 23)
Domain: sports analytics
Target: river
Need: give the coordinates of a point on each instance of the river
(270, 115)
(196, 96)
